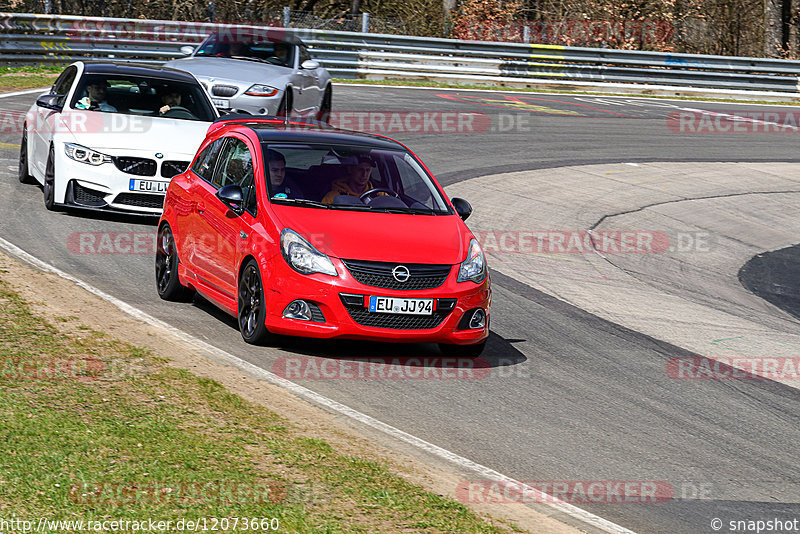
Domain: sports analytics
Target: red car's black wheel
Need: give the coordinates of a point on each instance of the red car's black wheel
(252, 309)
(167, 283)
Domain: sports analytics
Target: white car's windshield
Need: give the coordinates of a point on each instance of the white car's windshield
(350, 177)
(275, 52)
(134, 95)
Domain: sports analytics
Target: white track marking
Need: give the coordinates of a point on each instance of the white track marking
(300, 391)
(25, 92)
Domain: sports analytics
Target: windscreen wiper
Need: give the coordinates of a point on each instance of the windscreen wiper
(412, 211)
(300, 202)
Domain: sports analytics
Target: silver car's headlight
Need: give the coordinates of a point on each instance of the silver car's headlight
(474, 267)
(85, 155)
(261, 90)
(303, 257)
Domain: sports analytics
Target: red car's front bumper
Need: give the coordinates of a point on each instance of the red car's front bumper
(283, 285)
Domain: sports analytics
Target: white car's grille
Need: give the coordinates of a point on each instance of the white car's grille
(137, 166)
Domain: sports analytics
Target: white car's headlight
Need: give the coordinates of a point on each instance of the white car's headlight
(261, 90)
(85, 155)
(474, 267)
(303, 257)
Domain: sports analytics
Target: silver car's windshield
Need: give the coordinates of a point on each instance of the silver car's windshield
(350, 177)
(275, 52)
(134, 95)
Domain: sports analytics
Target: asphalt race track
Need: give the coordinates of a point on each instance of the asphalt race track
(578, 383)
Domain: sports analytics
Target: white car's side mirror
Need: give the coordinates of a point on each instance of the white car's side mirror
(187, 50)
(310, 64)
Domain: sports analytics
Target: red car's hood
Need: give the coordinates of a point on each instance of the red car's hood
(390, 237)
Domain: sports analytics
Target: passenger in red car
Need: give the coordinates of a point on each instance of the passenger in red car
(282, 186)
(356, 183)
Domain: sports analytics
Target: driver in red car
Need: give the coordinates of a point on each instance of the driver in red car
(356, 183)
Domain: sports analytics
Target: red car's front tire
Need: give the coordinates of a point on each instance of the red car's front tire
(251, 309)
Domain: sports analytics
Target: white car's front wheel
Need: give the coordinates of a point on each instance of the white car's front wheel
(49, 187)
(23, 170)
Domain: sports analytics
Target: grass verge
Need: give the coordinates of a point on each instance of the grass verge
(29, 77)
(98, 430)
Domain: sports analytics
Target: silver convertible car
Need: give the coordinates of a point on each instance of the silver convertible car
(259, 75)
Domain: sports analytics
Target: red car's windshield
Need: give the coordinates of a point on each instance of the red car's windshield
(350, 177)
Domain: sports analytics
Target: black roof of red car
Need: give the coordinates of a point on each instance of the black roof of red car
(275, 129)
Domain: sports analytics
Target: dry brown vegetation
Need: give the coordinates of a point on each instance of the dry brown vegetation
(726, 27)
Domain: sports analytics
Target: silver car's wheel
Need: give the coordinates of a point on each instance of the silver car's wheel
(324, 113)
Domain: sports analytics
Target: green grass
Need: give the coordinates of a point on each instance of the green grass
(130, 437)
(27, 77)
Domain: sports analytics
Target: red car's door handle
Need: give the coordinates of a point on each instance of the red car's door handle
(201, 207)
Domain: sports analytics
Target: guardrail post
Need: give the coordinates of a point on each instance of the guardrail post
(365, 23)
(287, 16)
(526, 34)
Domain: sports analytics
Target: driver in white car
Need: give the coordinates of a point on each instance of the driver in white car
(356, 183)
(169, 99)
(96, 97)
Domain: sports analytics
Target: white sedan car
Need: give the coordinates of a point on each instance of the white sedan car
(111, 137)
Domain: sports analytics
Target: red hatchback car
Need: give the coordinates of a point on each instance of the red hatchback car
(307, 230)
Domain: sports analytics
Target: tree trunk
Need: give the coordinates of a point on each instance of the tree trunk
(776, 27)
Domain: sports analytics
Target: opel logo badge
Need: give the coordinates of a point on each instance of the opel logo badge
(401, 273)
(159, 155)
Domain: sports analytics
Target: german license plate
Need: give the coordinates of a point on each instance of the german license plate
(401, 305)
(148, 186)
(220, 103)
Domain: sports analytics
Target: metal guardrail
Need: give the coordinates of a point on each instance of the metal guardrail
(29, 38)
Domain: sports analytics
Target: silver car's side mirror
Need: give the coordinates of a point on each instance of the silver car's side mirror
(310, 64)
(187, 50)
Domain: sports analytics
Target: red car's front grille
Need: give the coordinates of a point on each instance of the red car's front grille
(379, 274)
